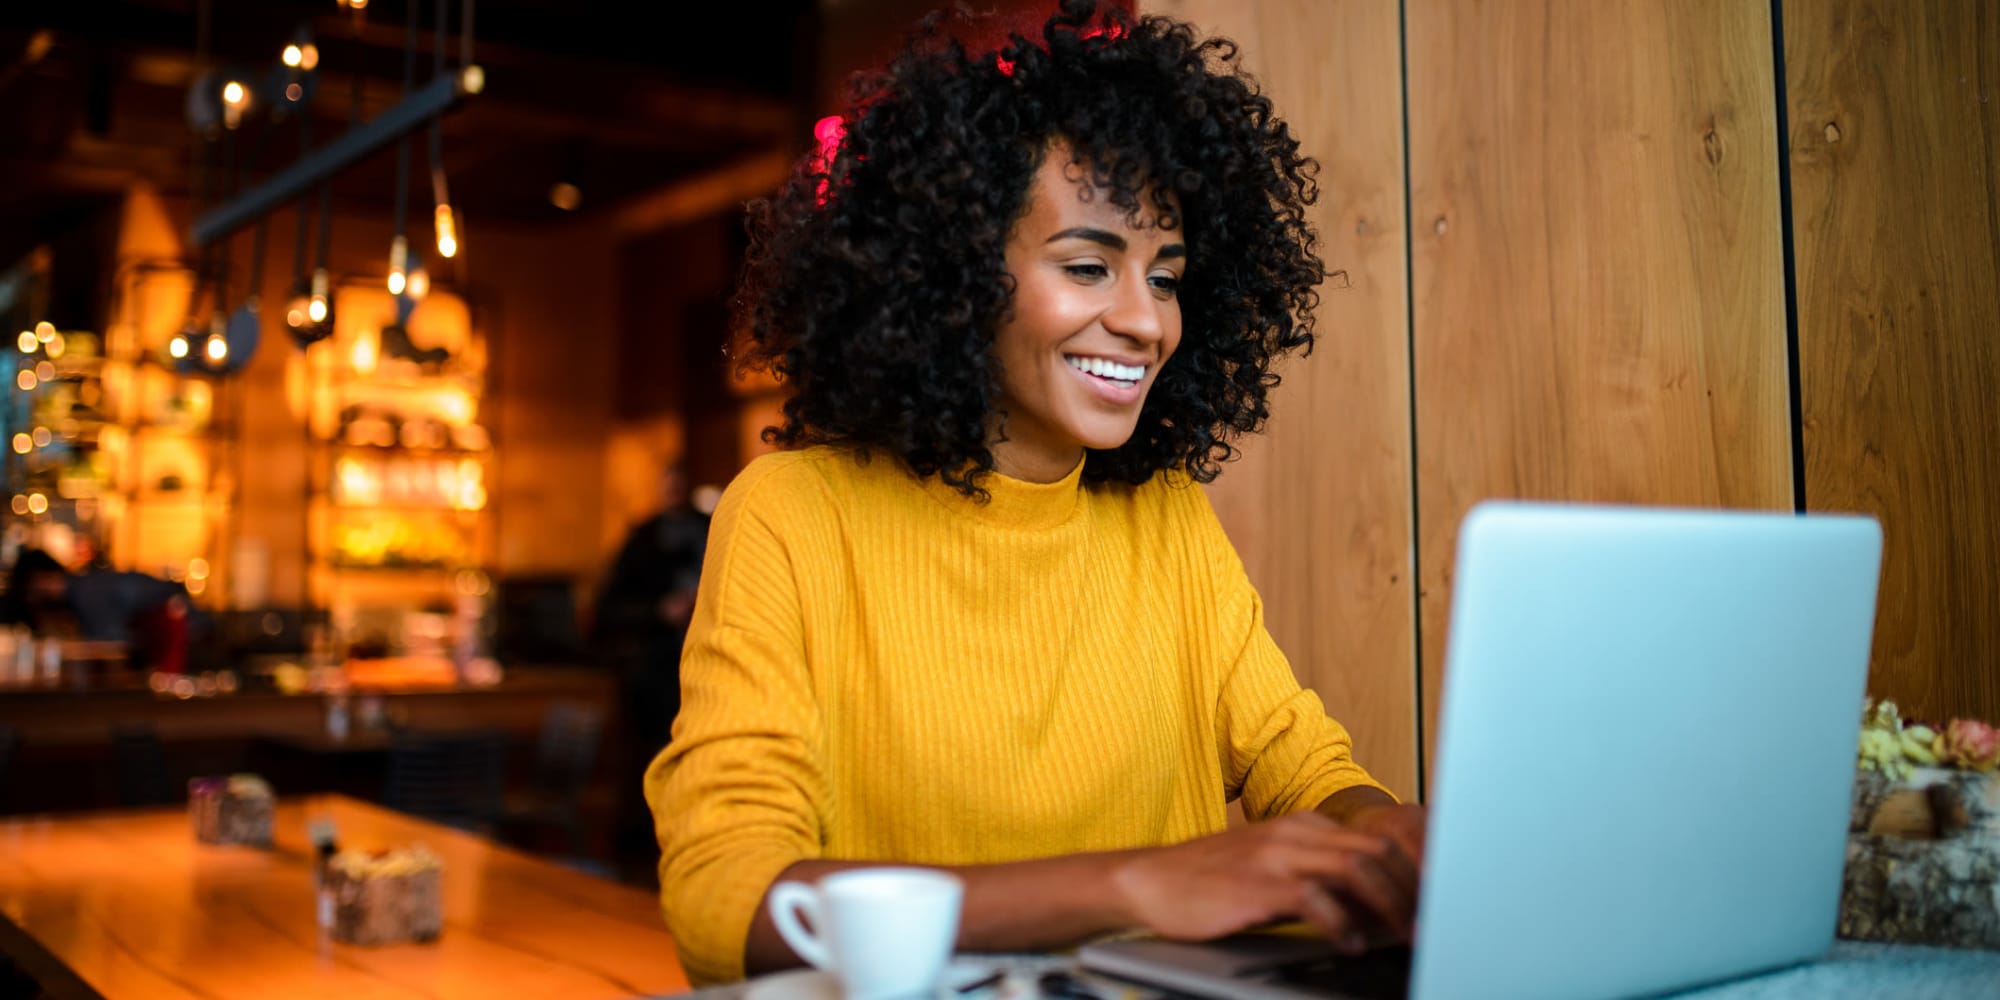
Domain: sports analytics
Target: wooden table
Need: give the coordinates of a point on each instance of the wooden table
(135, 907)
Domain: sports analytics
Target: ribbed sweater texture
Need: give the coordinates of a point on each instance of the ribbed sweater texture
(880, 668)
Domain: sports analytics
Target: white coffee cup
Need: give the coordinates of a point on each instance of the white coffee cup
(884, 932)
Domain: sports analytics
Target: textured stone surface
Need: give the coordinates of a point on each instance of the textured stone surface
(386, 909)
(1942, 890)
(220, 817)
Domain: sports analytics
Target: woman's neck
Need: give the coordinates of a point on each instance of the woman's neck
(1033, 466)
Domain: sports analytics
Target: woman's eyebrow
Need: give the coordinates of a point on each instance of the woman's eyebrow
(1102, 236)
(1111, 240)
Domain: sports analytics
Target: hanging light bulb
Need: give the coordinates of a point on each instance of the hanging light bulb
(217, 349)
(45, 331)
(177, 348)
(399, 260)
(447, 231)
(27, 342)
(235, 101)
(319, 308)
(420, 283)
(297, 308)
(294, 56)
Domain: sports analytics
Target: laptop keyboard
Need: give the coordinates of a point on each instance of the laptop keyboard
(1382, 974)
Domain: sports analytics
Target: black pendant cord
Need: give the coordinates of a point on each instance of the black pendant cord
(260, 236)
(403, 144)
(304, 206)
(465, 35)
(203, 158)
(231, 177)
(439, 195)
(326, 188)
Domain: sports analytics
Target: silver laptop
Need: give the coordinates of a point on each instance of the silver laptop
(1643, 774)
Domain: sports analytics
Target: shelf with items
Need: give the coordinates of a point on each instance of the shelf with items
(400, 466)
(112, 455)
(165, 437)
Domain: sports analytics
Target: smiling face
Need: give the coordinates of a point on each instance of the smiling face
(1095, 314)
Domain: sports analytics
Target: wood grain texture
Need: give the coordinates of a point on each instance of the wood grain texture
(137, 908)
(1895, 165)
(1319, 505)
(1596, 263)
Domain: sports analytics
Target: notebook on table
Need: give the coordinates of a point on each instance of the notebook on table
(1643, 771)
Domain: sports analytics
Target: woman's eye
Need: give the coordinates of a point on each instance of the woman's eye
(1086, 270)
(1166, 283)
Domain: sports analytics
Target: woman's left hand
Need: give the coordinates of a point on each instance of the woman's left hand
(1402, 824)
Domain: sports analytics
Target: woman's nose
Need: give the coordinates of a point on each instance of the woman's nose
(1136, 311)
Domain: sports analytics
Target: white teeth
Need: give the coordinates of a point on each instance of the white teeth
(1107, 369)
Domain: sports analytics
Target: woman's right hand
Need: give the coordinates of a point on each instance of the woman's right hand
(1349, 884)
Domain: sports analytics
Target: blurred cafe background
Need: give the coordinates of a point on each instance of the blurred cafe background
(367, 378)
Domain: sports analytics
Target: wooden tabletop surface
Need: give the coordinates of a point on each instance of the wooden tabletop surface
(135, 907)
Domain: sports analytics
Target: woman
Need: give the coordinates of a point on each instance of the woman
(979, 615)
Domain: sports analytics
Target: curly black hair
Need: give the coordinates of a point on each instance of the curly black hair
(875, 279)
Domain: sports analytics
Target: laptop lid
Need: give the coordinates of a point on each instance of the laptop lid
(1647, 747)
(1647, 750)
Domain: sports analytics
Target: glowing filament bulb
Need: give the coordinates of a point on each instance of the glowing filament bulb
(294, 56)
(178, 347)
(218, 349)
(234, 94)
(447, 231)
(316, 307)
(23, 444)
(399, 262)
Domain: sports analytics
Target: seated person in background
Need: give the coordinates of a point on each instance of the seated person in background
(642, 615)
(101, 604)
(980, 616)
(38, 596)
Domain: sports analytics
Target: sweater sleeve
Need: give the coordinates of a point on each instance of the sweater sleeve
(739, 793)
(1280, 751)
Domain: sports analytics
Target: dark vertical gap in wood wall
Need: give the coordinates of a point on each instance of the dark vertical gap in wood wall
(1792, 366)
(1410, 373)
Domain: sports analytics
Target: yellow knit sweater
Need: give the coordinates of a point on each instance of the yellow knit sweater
(881, 669)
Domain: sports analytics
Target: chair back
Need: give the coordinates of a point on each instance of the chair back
(139, 766)
(567, 753)
(9, 739)
(455, 778)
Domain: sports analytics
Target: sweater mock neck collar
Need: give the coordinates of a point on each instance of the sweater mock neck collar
(1016, 503)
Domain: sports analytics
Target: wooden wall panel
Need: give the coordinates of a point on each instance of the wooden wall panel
(1319, 505)
(1894, 121)
(1596, 263)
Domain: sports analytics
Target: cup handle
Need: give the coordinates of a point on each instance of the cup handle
(788, 900)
